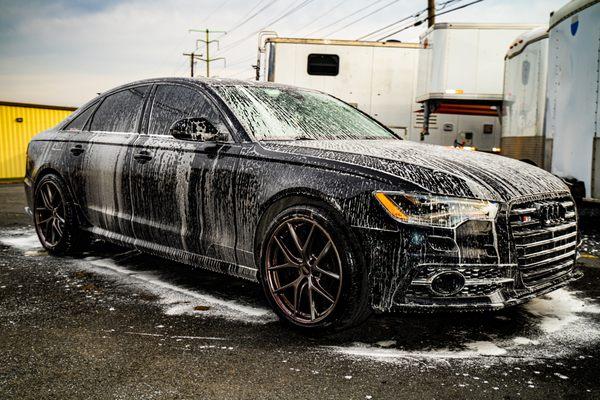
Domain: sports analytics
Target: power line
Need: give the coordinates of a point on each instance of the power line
(419, 22)
(445, 4)
(210, 14)
(323, 14)
(345, 17)
(392, 24)
(244, 61)
(250, 11)
(284, 15)
(415, 15)
(248, 18)
(363, 17)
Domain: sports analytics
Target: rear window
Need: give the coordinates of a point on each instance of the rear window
(323, 64)
(120, 112)
(79, 122)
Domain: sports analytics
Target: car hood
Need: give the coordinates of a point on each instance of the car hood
(436, 169)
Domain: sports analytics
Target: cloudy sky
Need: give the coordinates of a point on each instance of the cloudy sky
(63, 52)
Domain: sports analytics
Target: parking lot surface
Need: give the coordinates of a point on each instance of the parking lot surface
(115, 323)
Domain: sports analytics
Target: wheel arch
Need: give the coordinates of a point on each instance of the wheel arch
(289, 198)
(46, 170)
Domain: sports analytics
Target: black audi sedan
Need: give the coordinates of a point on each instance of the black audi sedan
(329, 210)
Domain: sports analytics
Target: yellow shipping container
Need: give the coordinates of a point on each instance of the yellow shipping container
(19, 122)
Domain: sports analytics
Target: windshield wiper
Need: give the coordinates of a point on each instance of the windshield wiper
(304, 138)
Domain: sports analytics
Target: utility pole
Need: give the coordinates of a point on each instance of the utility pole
(430, 13)
(427, 107)
(192, 57)
(207, 60)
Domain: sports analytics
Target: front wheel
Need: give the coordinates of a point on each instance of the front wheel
(310, 271)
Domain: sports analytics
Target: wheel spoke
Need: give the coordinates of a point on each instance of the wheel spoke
(45, 220)
(308, 239)
(311, 303)
(293, 283)
(46, 200)
(48, 227)
(50, 195)
(328, 273)
(323, 253)
(294, 236)
(51, 232)
(283, 266)
(319, 289)
(57, 227)
(286, 252)
(298, 295)
(61, 219)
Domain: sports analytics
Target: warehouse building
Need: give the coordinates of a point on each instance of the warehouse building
(19, 122)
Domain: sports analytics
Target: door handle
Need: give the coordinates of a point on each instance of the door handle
(77, 150)
(213, 150)
(143, 156)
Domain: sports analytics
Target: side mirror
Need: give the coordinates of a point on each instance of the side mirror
(197, 129)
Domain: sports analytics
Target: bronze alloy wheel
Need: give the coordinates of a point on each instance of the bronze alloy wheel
(304, 270)
(49, 214)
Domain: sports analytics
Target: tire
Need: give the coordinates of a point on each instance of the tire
(317, 280)
(55, 217)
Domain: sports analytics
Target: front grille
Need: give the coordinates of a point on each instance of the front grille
(545, 236)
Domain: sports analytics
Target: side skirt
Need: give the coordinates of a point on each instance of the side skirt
(178, 255)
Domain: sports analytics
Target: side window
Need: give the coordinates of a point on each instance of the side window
(323, 64)
(120, 112)
(173, 103)
(79, 122)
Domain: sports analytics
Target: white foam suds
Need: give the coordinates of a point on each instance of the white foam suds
(473, 350)
(160, 335)
(22, 240)
(178, 300)
(560, 309)
(564, 324)
(175, 299)
(525, 341)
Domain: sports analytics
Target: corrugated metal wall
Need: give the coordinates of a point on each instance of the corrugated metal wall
(14, 136)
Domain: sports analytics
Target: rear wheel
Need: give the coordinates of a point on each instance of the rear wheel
(311, 273)
(55, 218)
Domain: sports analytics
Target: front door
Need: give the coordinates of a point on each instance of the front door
(182, 191)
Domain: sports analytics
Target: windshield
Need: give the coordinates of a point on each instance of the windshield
(291, 114)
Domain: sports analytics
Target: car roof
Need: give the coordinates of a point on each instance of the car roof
(207, 82)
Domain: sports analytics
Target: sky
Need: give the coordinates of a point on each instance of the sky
(64, 52)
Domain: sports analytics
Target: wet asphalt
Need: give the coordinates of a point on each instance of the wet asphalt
(116, 324)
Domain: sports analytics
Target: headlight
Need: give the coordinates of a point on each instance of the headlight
(439, 211)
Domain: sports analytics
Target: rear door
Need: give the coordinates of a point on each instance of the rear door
(100, 160)
(182, 191)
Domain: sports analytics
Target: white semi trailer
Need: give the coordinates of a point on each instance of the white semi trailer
(524, 102)
(461, 72)
(377, 77)
(573, 87)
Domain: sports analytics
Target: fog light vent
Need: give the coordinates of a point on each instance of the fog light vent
(448, 283)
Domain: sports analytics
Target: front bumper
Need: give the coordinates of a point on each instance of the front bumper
(497, 264)
(501, 294)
